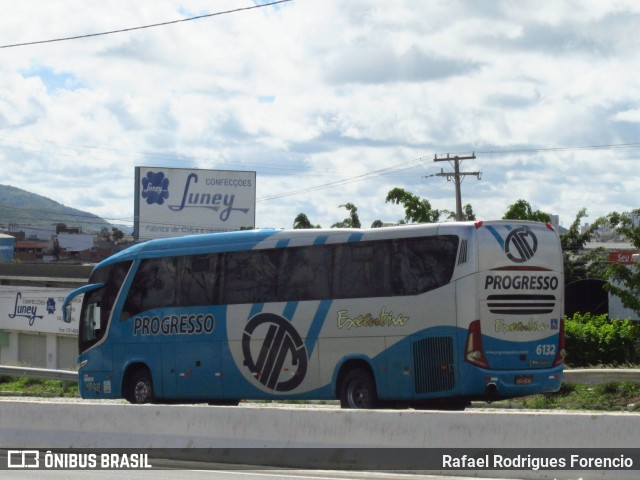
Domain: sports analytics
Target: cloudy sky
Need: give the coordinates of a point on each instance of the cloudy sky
(328, 101)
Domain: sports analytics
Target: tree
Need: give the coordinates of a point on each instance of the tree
(578, 266)
(624, 279)
(353, 221)
(56, 249)
(521, 210)
(116, 234)
(467, 213)
(302, 222)
(416, 209)
(377, 224)
(104, 235)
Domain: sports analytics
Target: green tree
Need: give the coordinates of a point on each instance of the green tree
(116, 234)
(377, 224)
(521, 210)
(302, 222)
(467, 213)
(104, 235)
(579, 265)
(56, 250)
(416, 209)
(624, 279)
(353, 221)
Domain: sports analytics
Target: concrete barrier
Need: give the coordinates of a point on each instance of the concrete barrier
(83, 425)
(601, 376)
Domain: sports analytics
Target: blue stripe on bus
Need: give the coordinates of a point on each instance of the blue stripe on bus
(283, 243)
(316, 325)
(321, 240)
(355, 237)
(256, 308)
(496, 235)
(290, 310)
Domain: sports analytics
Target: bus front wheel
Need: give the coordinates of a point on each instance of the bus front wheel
(140, 388)
(358, 390)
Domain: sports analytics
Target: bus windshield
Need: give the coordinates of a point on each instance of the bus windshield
(98, 304)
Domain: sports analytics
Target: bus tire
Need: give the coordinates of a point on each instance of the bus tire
(140, 388)
(358, 390)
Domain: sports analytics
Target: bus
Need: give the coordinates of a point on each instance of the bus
(407, 316)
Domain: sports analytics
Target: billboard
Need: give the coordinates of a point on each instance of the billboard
(172, 202)
(36, 310)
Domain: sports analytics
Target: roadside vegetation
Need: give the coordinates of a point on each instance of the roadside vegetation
(35, 387)
(610, 397)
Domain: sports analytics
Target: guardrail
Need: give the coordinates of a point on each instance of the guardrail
(64, 375)
(587, 376)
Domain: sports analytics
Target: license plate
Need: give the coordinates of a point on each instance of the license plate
(524, 379)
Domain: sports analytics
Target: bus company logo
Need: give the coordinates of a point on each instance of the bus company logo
(26, 308)
(281, 343)
(521, 245)
(155, 188)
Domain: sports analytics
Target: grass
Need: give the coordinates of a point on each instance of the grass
(618, 396)
(611, 397)
(36, 387)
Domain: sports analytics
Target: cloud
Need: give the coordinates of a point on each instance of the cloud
(316, 94)
(366, 64)
(630, 116)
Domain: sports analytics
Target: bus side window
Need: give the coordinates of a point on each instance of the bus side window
(200, 283)
(250, 277)
(153, 286)
(362, 270)
(422, 264)
(305, 273)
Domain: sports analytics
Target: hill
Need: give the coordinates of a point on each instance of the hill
(22, 208)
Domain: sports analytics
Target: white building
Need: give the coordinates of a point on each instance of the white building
(32, 330)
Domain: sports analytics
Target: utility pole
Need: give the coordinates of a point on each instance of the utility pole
(457, 177)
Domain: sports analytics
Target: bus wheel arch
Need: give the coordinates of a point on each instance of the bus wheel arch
(137, 384)
(356, 385)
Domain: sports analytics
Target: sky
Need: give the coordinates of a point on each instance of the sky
(329, 102)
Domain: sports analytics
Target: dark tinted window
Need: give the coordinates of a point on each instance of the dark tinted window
(362, 270)
(422, 264)
(251, 277)
(200, 283)
(154, 286)
(102, 300)
(305, 273)
(357, 270)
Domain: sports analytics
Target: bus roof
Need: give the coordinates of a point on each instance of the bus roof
(275, 238)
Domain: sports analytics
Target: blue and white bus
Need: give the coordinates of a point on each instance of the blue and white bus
(418, 315)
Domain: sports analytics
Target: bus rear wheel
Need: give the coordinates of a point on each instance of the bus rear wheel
(140, 387)
(358, 390)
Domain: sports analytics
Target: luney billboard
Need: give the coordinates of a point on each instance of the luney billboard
(34, 310)
(172, 202)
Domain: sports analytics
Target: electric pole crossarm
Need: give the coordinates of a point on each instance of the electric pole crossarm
(457, 176)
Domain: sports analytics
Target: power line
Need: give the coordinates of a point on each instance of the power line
(562, 149)
(130, 29)
(376, 173)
